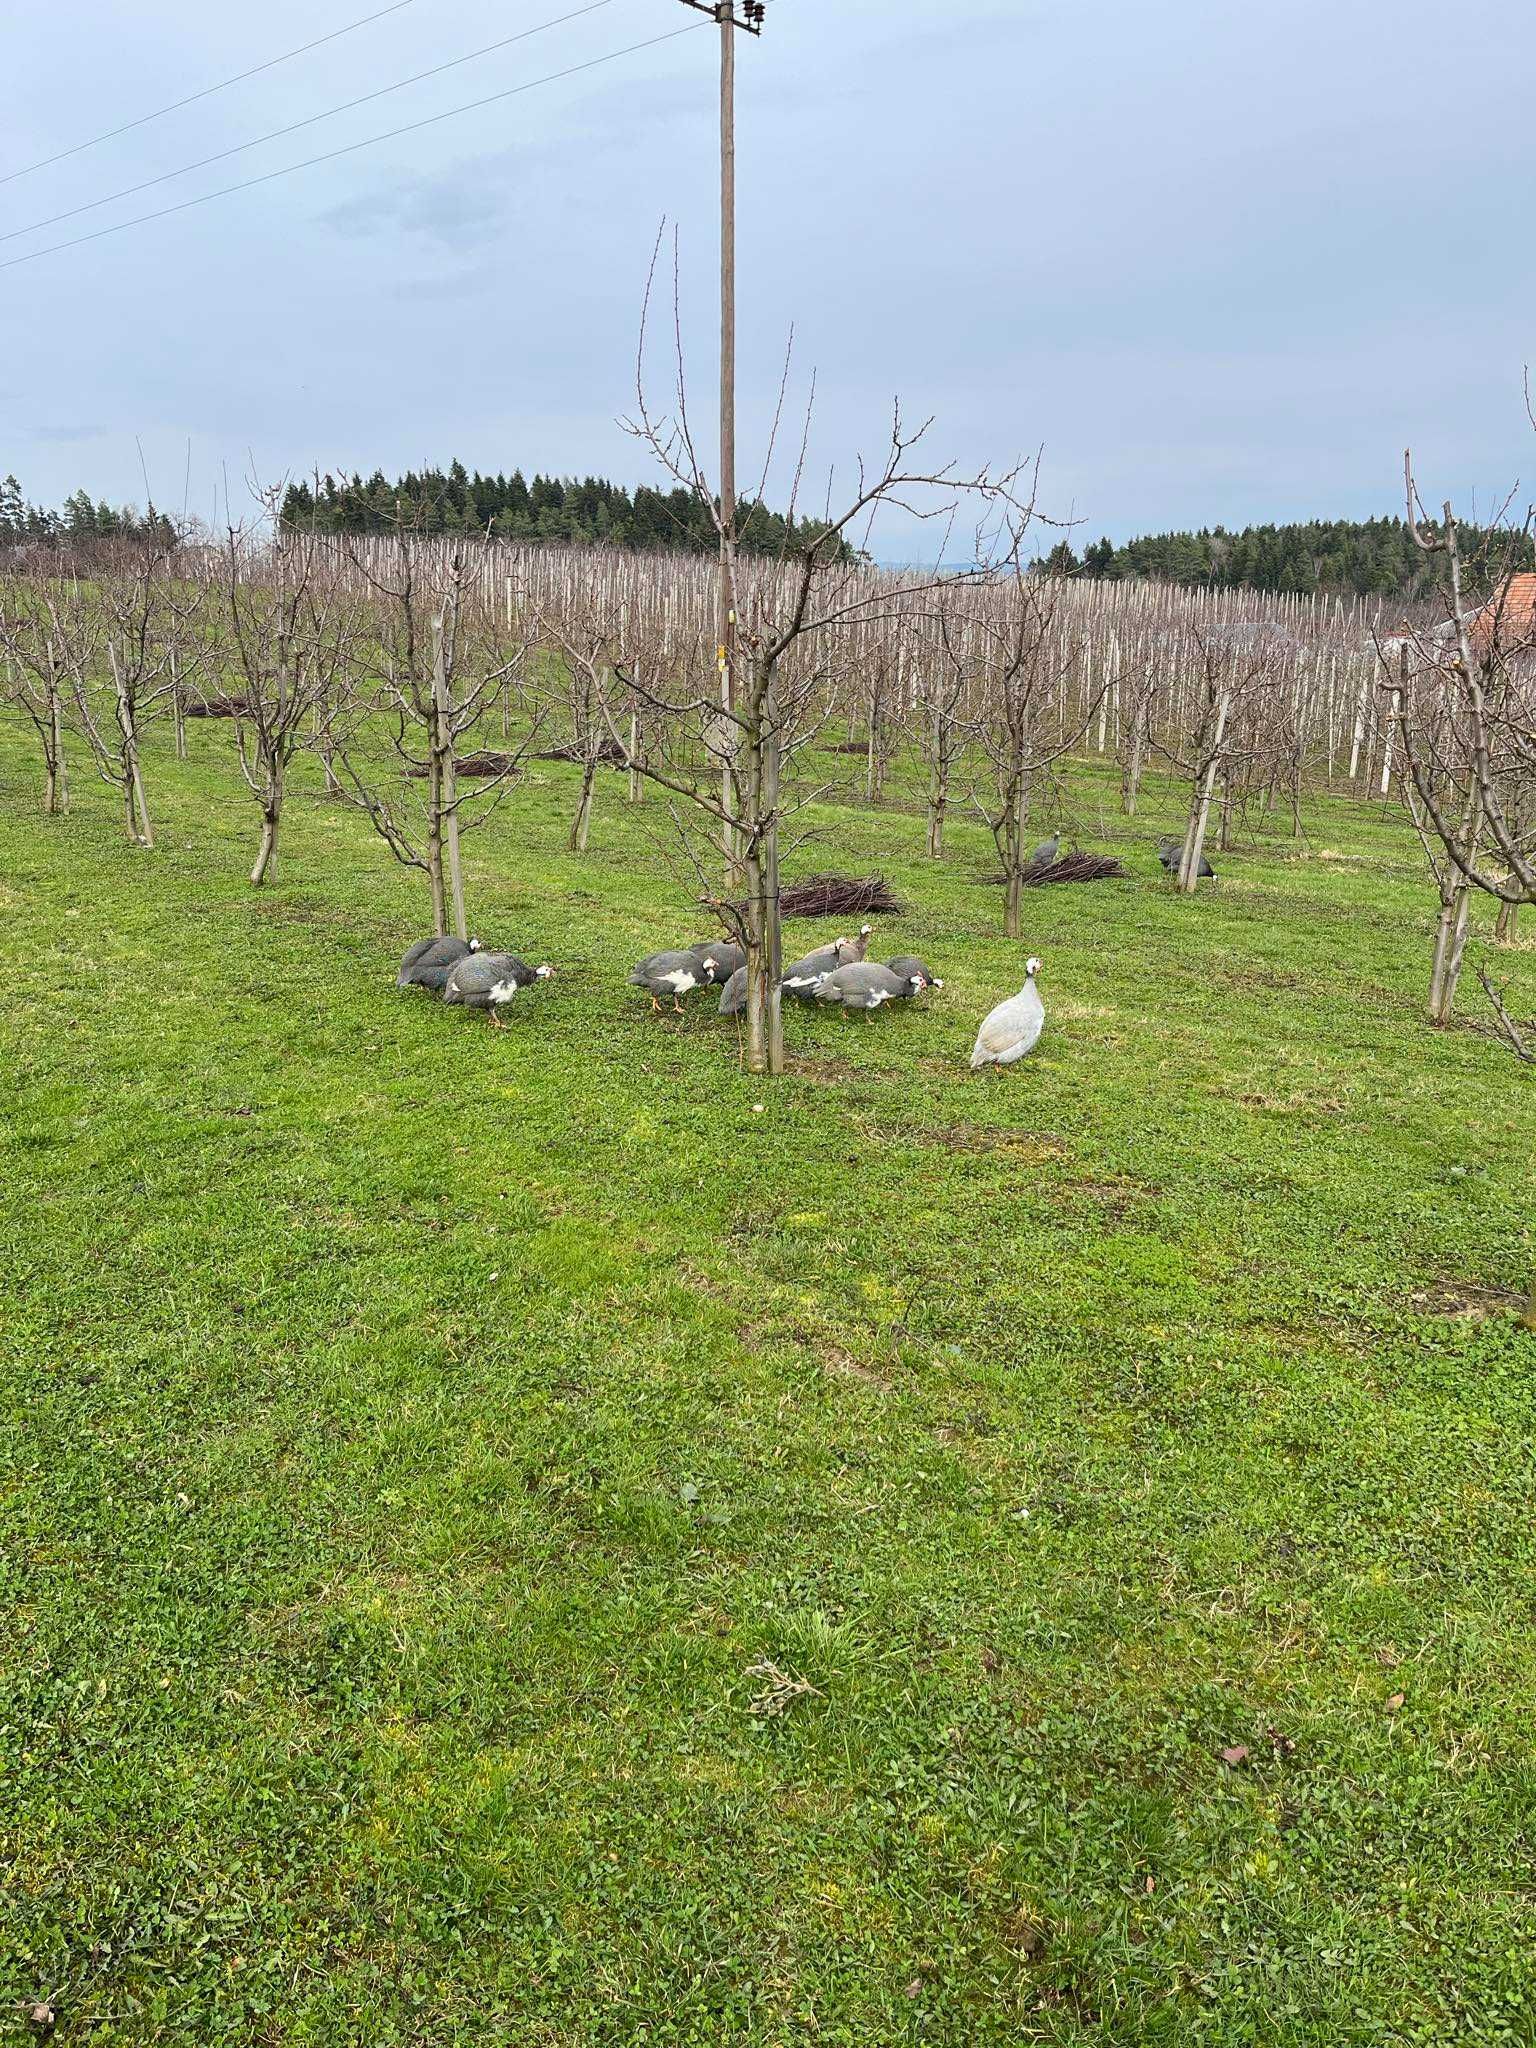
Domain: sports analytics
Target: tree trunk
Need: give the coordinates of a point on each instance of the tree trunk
(1504, 930)
(446, 787)
(178, 709)
(56, 790)
(1358, 737)
(1015, 832)
(1200, 810)
(636, 778)
(581, 824)
(140, 831)
(265, 870)
(1450, 944)
(1130, 779)
(938, 800)
(56, 782)
(758, 770)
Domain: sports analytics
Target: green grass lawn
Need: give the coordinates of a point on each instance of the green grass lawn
(415, 1435)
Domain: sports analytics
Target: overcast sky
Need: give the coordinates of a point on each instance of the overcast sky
(1222, 258)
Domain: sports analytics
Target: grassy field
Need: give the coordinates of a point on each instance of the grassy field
(419, 1438)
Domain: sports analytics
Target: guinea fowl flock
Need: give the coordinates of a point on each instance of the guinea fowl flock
(463, 971)
(466, 973)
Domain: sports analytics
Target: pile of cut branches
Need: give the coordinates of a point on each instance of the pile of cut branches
(1077, 867)
(608, 751)
(1072, 867)
(839, 896)
(476, 766)
(215, 707)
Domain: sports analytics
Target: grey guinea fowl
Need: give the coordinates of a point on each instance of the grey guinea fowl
(1010, 1031)
(489, 981)
(733, 997)
(672, 974)
(905, 965)
(722, 957)
(801, 979)
(430, 962)
(866, 985)
(1046, 852)
(1171, 853)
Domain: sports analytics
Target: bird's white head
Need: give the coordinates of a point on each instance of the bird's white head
(1031, 967)
(543, 972)
(865, 930)
(477, 945)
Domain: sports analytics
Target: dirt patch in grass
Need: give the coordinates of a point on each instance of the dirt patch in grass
(1116, 1196)
(1297, 1103)
(1255, 976)
(1034, 1147)
(841, 1364)
(824, 1072)
(1462, 1302)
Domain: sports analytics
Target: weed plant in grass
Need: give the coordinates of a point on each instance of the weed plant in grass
(502, 1539)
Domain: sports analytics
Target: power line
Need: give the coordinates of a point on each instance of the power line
(206, 93)
(309, 121)
(349, 149)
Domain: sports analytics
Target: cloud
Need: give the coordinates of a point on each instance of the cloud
(61, 436)
(443, 210)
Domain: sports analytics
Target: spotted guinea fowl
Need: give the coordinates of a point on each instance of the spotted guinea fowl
(489, 981)
(866, 985)
(1171, 853)
(905, 965)
(1010, 1031)
(1045, 853)
(801, 979)
(430, 961)
(672, 974)
(722, 957)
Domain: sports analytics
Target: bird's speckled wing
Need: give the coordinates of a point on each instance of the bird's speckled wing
(1004, 1027)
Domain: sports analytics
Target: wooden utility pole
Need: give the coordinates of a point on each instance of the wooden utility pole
(750, 19)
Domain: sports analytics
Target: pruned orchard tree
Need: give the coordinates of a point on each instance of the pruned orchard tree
(780, 659)
(795, 620)
(1462, 702)
(137, 610)
(34, 674)
(441, 659)
(581, 632)
(287, 633)
(1024, 653)
(944, 659)
(1225, 672)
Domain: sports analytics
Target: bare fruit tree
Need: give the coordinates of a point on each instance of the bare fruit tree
(582, 640)
(139, 610)
(442, 662)
(944, 660)
(285, 630)
(1462, 703)
(798, 618)
(34, 683)
(1024, 652)
(1227, 669)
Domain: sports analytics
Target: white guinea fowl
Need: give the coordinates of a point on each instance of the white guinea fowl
(1011, 1030)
